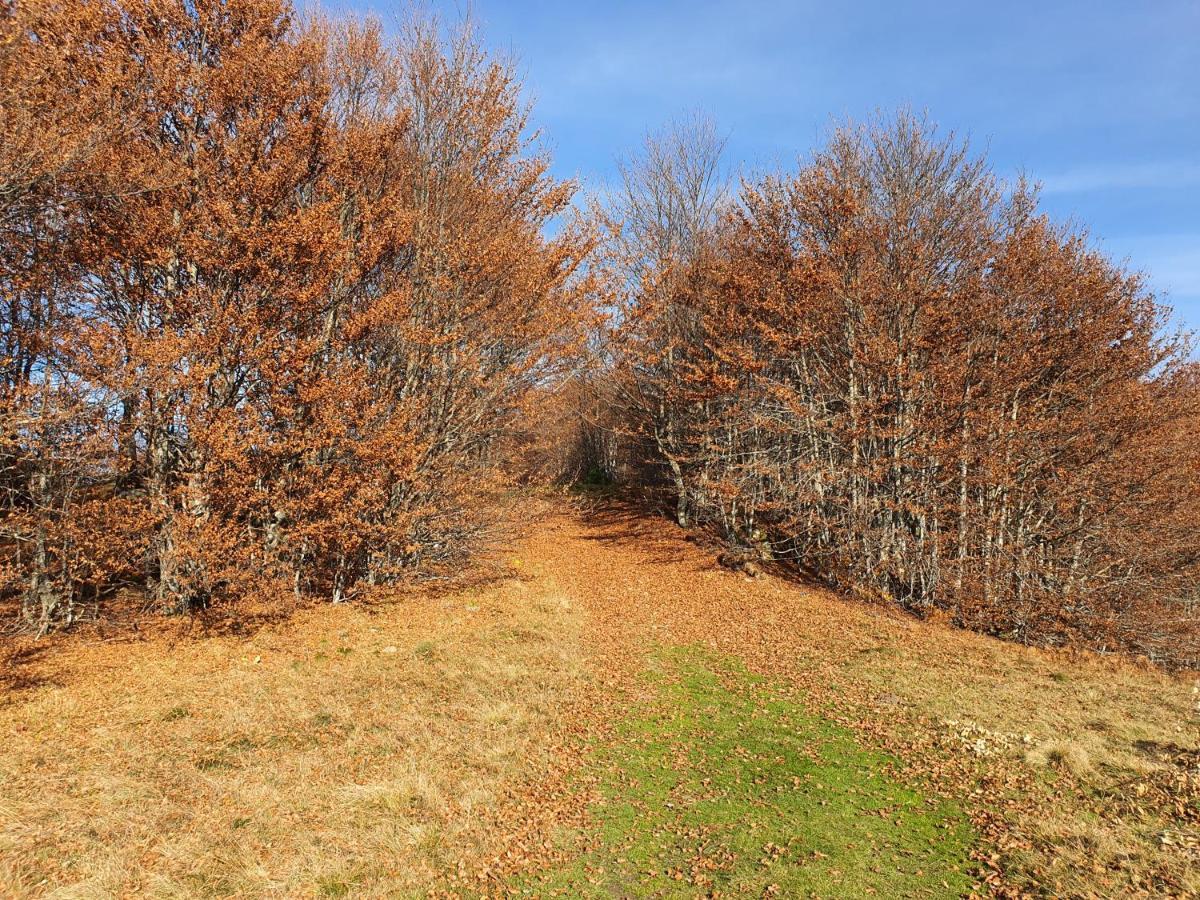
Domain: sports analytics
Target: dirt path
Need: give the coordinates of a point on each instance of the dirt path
(640, 581)
(642, 589)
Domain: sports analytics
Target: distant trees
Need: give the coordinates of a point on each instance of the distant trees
(660, 224)
(273, 294)
(279, 303)
(916, 386)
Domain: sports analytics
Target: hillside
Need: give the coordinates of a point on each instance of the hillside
(617, 716)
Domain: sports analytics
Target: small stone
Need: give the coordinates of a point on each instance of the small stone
(388, 649)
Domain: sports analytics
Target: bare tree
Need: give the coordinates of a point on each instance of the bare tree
(661, 219)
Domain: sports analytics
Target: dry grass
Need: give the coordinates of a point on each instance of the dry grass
(308, 760)
(354, 750)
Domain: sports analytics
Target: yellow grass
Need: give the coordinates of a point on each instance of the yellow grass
(313, 759)
(351, 750)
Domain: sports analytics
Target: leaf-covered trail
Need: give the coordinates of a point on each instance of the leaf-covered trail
(640, 583)
(640, 589)
(960, 715)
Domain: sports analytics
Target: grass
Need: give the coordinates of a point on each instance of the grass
(432, 741)
(1081, 772)
(1109, 747)
(721, 784)
(306, 760)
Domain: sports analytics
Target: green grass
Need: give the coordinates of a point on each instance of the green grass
(721, 786)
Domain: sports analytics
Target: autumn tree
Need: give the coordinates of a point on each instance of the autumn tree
(904, 378)
(660, 223)
(53, 167)
(297, 308)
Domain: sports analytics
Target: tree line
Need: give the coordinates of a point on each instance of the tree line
(892, 370)
(288, 302)
(274, 292)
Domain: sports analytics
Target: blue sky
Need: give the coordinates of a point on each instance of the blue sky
(1098, 100)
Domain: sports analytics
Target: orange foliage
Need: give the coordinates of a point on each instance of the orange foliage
(894, 374)
(282, 313)
(268, 321)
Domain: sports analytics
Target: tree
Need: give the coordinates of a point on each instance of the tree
(660, 223)
(299, 295)
(907, 380)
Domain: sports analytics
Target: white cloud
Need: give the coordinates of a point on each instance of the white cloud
(1119, 176)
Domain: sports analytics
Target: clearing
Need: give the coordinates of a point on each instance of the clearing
(618, 716)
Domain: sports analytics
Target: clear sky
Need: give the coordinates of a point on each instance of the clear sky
(1099, 100)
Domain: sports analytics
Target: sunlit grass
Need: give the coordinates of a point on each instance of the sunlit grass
(721, 784)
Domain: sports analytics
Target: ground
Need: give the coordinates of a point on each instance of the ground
(616, 716)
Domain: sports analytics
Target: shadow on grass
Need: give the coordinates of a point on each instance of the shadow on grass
(626, 520)
(643, 525)
(19, 670)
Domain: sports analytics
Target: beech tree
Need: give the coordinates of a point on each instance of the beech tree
(907, 380)
(268, 329)
(660, 224)
(55, 435)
